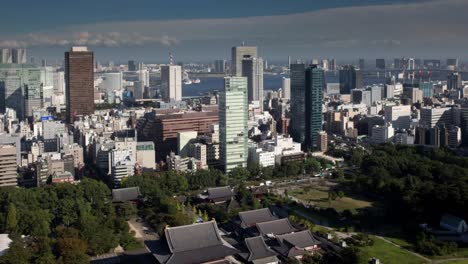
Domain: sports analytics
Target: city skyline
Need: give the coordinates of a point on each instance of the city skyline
(363, 29)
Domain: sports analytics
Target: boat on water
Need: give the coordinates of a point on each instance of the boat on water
(187, 81)
(196, 81)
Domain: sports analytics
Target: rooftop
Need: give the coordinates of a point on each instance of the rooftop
(220, 192)
(258, 249)
(196, 243)
(126, 194)
(252, 217)
(275, 227)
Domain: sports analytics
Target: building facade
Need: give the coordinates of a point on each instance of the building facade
(171, 83)
(79, 78)
(315, 83)
(233, 117)
(238, 54)
(252, 68)
(298, 102)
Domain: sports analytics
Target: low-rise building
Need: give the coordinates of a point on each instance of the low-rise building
(196, 243)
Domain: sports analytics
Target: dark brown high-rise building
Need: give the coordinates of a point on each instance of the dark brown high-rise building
(79, 78)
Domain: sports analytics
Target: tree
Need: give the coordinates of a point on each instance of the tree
(12, 219)
(267, 172)
(254, 169)
(72, 250)
(127, 210)
(18, 252)
(338, 174)
(239, 174)
(311, 165)
(312, 259)
(351, 255)
(205, 216)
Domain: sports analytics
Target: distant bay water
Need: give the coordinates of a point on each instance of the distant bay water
(274, 82)
(210, 84)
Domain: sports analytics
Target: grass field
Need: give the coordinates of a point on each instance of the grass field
(319, 197)
(457, 262)
(461, 252)
(388, 254)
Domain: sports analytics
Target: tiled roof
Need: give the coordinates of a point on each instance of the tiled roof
(258, 249)
(126, 194)
(252, 217)
(275, 227)
(196, 243)
(220, 192)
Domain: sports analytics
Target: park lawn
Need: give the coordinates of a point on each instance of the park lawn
(457, 262)
(388, 254)
(462, 252)
(401, 242)
(319, 197)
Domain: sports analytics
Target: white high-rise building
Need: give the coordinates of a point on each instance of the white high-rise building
(238, 54)
(233, 128)
(286, 87)
(47, 79)
(6, 56)
(252, 68)
(111, 81)
(325, 64)
(171, 83)
(59, 83)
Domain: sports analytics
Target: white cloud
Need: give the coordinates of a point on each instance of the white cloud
(438, 24)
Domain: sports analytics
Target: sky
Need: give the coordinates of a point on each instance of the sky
(204, 30)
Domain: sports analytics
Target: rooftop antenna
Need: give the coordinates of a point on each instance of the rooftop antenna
(171, 58)
(243, 43)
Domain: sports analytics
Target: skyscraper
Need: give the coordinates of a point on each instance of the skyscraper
(427, 88)
(238, 54)
(298, 102)
(233, 117)
(20, 88)
(286, 87)
(79, 79)
(171, 83)
(380, 64)
(6, 56)
(454, 81)
(252, 68)
(325, 64)
(314, 85)
(307, 86)
(220, 66)
(362, 64)
(350, 79)
(19, 56)
(332, 65)
(131, 65)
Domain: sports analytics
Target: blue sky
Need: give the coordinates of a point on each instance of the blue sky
(31, 15)
(206, 29)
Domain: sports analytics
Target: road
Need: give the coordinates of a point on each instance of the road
(144, 233)
(142, 230)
